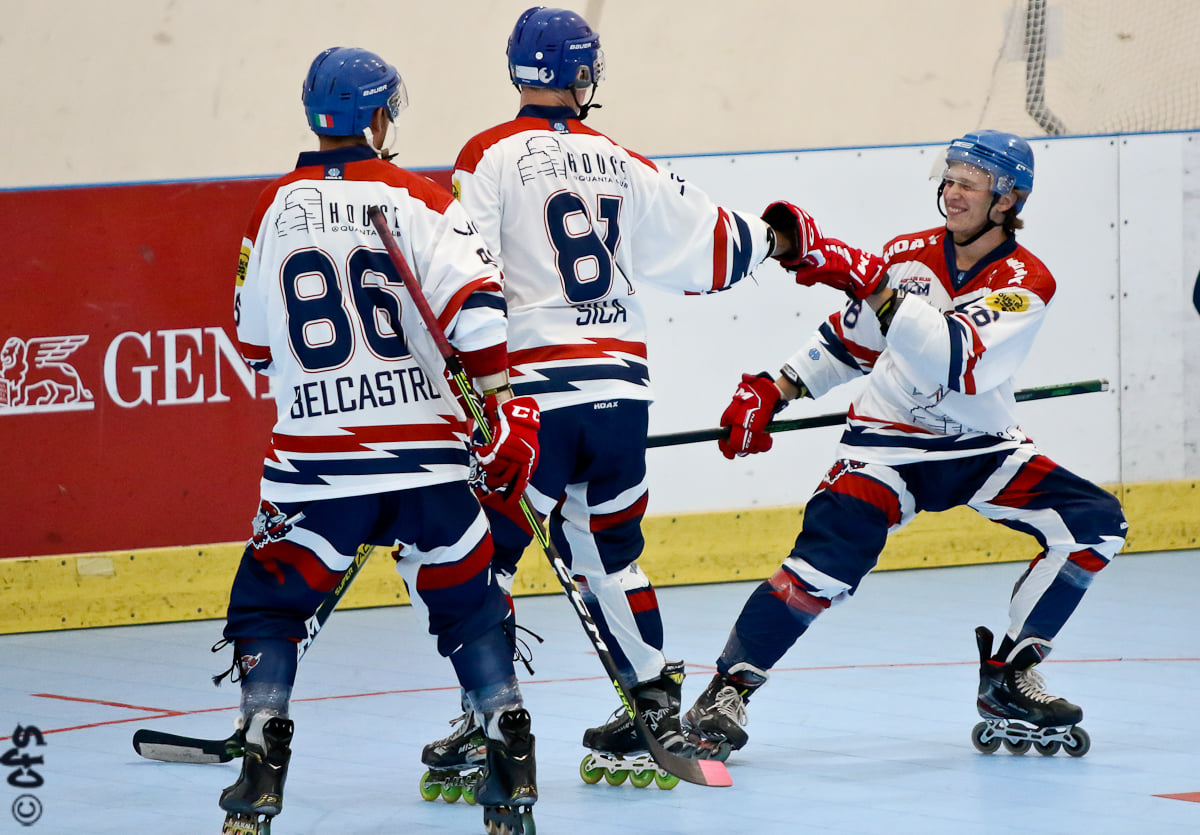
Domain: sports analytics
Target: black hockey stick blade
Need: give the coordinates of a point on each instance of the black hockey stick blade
(699, 435)
(172, 748)
(699, 772)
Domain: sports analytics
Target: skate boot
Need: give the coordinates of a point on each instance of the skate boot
(1016, 708)
(507, 787)
(257, 796)
(455, 762)
(716, 722)
(618, 750)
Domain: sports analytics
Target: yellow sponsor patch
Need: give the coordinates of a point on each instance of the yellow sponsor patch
(243, 265)
(456, 189)
(1007, 302)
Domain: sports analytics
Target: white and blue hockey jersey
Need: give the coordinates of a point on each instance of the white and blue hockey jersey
(362, 402)
(940, 385)
(576, 222)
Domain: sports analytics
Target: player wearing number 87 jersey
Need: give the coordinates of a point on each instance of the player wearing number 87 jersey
(578, 222)
(369, 443)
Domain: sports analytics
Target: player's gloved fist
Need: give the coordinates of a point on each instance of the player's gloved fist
(755, 402)
(855, 271)
(508, 461)
(793, 226)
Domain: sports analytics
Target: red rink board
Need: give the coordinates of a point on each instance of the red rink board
(124, 420)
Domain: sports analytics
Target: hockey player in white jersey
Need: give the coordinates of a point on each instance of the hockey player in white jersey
(578, 222)
(939, 325)
(370, 445)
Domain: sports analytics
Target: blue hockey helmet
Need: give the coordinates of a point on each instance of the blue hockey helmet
(554, 48)
(345, 86)
(1007, 157)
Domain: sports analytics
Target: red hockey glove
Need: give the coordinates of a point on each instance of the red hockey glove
(795, 226)
(755, 402)
(855, 271)
(508, 461)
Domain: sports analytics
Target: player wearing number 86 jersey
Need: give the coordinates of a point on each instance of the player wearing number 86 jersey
(369, 444)
(320, 308)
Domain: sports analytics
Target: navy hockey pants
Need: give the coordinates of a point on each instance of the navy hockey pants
(1079, 527)
(439, 537)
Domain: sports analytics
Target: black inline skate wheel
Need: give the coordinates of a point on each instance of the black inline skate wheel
(989, 747)
(1080, 743)
(1048, 749)
(1017, 746)
(507, 821)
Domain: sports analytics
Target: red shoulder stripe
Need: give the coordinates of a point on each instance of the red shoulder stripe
(419, 187)
(472, 152)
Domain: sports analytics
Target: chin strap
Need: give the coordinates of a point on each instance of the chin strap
(389, 138)
(987, 227)
(587, 106)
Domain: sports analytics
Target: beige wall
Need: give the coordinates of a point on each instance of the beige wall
(132, 90)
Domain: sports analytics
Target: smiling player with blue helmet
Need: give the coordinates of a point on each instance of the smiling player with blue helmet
(938, 326)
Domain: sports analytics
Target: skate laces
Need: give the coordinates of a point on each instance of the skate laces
(463, 728)
(1033, 686)
(619, 717)
(728, 702)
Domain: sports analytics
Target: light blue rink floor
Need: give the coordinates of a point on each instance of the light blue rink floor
(864, 728)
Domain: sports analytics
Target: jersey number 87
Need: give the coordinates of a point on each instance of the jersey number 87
(584, 260)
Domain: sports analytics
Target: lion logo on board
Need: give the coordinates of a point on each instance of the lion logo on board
(35, 376)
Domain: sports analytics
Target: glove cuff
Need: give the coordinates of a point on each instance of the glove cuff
(780, 401)
(792, 377)
(887, 310)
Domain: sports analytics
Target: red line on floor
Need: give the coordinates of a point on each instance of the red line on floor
(110, 704)
(164, 713)
(1193, 797)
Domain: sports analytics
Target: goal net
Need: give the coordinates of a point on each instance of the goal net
(1097, 66)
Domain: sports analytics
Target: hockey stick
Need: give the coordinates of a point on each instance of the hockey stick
(700, 772)
(698, 435)
(174, 748)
